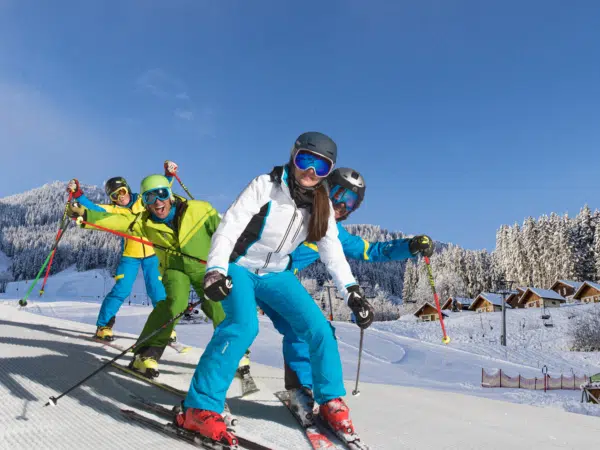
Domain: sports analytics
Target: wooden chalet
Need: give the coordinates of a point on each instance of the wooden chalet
(538, 298)
(457, 304)
(566, 288)
(588, 293)
(513, 298)
(428, 313)
(487, 302)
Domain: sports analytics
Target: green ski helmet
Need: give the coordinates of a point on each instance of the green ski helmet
(155, 183)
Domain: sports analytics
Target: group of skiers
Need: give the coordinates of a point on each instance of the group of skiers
(279, 224)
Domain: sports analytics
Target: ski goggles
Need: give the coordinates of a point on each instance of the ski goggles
(340, 194)
(150, 197)
(118, 193)
(305, 159)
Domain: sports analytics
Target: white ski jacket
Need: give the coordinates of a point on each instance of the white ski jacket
(264, 225)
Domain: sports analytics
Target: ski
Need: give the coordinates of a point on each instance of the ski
(248, 384)
(151, 381)
(317, 438)
(167, 413)
(170, 414)
(172, 430)
(179, 347)
(351, 441)
(103, 342)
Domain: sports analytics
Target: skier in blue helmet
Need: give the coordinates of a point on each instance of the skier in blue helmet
(347, 191)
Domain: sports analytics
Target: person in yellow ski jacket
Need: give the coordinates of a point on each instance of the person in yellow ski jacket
(170, 221)
(133, 253)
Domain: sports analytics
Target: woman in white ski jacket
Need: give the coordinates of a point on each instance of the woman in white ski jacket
(247, 267)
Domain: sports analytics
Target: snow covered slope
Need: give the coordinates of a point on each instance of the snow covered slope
(424, 408)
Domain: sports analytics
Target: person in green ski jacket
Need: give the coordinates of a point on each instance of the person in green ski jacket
(176, 223)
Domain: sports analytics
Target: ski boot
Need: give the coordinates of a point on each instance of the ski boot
(302, 404)
(104, 334)
(208, 426)
(173, 337)
(146, 365)
(244, 365)
(336, 415)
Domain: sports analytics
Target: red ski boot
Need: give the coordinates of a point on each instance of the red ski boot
(336, 414)
(208, 425)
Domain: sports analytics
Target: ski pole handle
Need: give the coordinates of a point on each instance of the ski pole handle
(445, 339)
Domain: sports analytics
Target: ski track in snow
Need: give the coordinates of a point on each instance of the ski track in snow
(416, 380)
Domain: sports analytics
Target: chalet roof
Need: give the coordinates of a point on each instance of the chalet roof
(426, 304)
(574, 284)
(587, 283)
(463, 300)
(547, 293)
(494, 299)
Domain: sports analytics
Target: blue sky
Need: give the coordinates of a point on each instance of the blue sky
(462, 115)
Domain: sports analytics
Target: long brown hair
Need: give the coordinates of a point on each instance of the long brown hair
(319, 218)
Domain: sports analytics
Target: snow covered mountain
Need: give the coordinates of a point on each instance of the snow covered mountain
(28, 225)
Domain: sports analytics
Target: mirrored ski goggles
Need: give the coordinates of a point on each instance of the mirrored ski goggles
(150, 197)
(118, 193)
(306, 159)
(339, 194)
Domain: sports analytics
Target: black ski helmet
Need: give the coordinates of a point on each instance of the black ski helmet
(115, 183)
(349, 179)
(316, 142)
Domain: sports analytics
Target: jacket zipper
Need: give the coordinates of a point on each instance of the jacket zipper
(297, 231)
(287, 232)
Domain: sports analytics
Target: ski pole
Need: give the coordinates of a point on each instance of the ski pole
(54, 400)
(184, 187)
(23, 301)
(445, 339)
(57, 237)
(170, 251)
(356, 392)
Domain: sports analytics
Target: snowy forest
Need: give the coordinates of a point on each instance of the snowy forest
(28, 225)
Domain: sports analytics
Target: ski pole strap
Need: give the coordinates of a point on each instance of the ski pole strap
(167, 250)
(184, 187)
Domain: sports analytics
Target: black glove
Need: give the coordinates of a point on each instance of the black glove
(216, 286)
(360, 307)
(421, 244)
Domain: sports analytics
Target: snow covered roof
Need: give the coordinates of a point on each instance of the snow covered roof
(494, 299)
(583, 285)
(462, 300)
(428, 304)
(547, 293)
(574, 284)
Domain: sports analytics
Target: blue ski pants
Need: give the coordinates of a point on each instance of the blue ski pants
(126, 274)
(279, 292)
